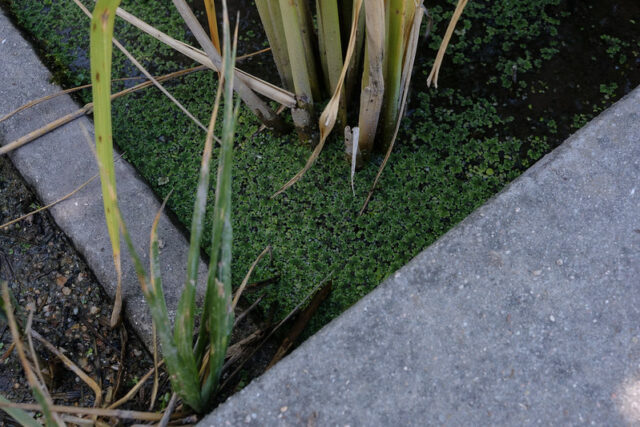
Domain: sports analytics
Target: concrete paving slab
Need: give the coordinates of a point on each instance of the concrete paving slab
(528, 312)
(60, 161)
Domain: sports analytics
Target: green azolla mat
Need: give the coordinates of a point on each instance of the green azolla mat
(455, 149)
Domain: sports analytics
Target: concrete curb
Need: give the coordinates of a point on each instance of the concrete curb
(60, 161)
(528, 312)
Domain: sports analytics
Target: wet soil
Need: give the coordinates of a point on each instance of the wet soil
(46, 274)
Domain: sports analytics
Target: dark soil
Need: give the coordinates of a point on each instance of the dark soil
(44, 272)
(71, 310)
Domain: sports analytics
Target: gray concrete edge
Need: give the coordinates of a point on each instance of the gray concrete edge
(62, 160)
(328, 379)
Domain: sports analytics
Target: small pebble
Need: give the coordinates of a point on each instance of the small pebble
(284, 409)
(61, 280)
(94, 310)
(66, 291)
(559, 262)
(537, 272)
(137, 352)
(553, 319)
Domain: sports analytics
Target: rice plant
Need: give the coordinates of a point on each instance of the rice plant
(325, 51)
(194, 370)
(371, 44)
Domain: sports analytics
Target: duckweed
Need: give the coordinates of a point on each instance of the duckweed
(493, 116)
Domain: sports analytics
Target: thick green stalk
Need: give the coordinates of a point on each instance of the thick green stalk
(304, 75)
(271, 18)
(310, 43)
(397, 20)
(410, 56)
(373, 85)
(331, 49)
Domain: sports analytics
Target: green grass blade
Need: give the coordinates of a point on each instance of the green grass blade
(183, 330)
(183, 370)
(221, 316)
(19, 415)
(181, 381)
(101, 49)
(218, 313)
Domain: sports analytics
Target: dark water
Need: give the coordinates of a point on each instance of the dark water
(565, 85)
(590, 46)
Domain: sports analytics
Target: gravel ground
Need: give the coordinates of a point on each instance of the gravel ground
(45, 272)
(71, 310)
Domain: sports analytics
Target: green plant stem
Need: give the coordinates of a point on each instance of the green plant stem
(271, 18)
(257, 105)
(373, 84)
(304, 74)
(331, 49)
(397, 16)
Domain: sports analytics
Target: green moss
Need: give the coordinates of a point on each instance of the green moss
(458, 146)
